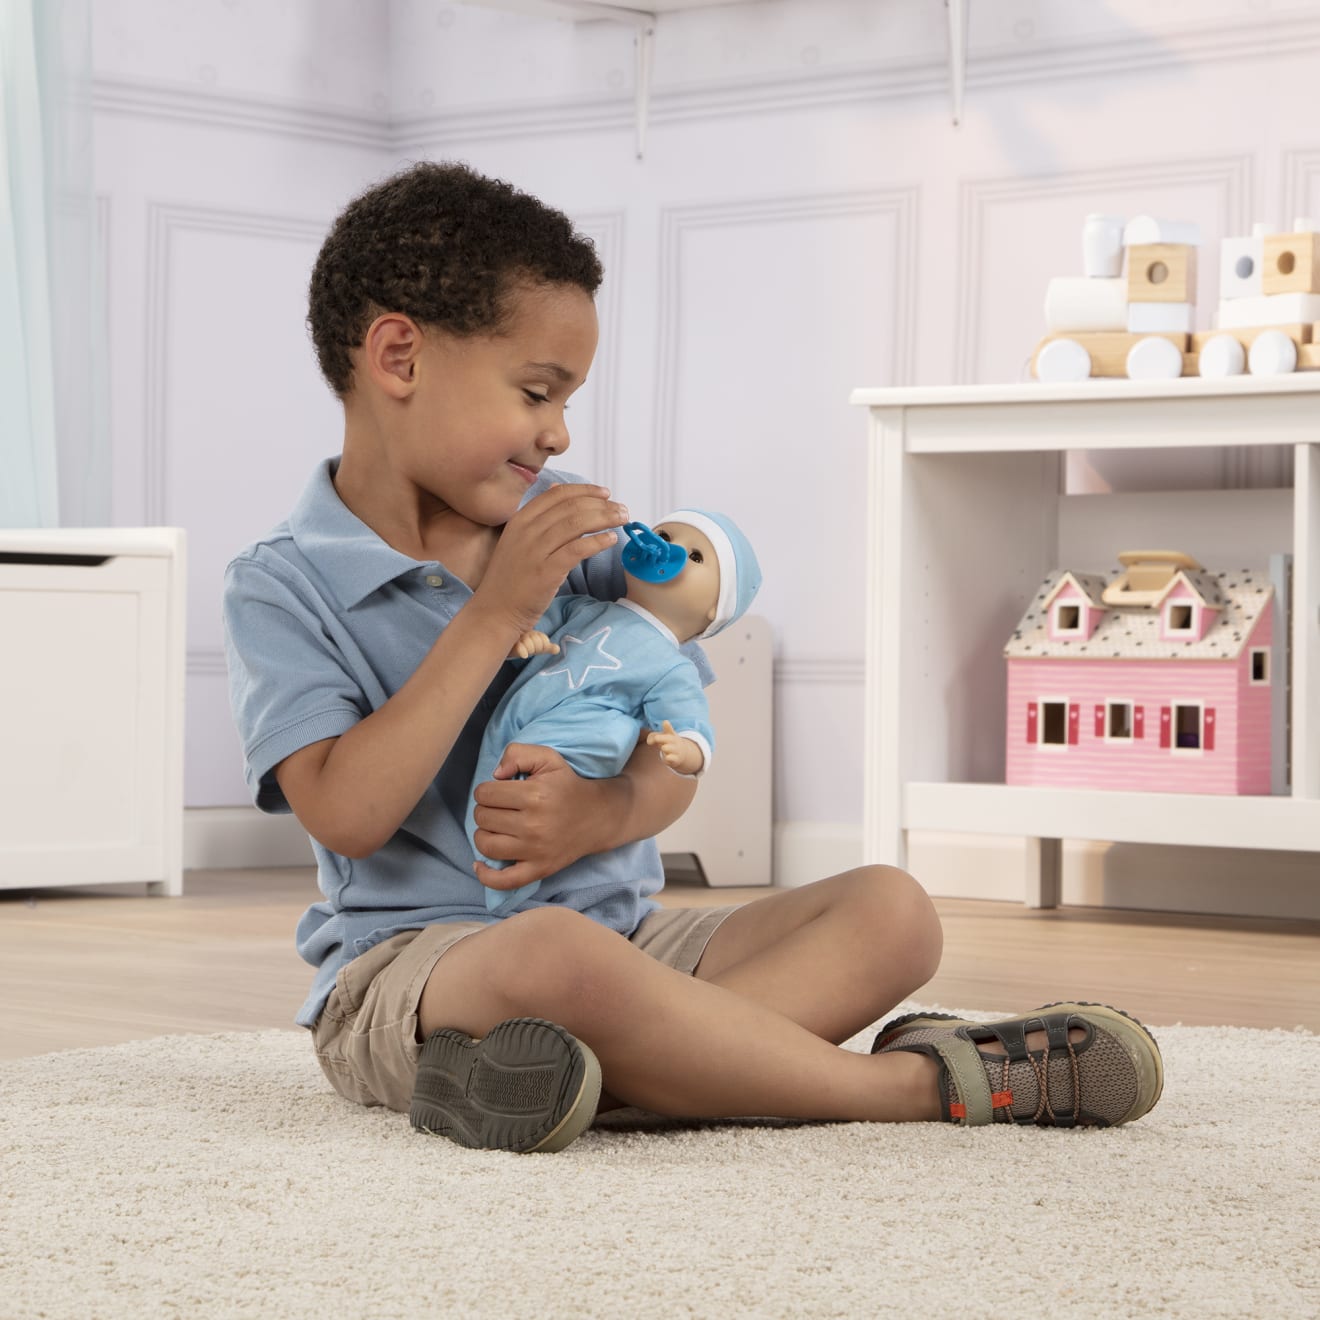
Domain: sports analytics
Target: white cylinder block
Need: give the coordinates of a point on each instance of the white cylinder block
(1075, 302)
(1102, 246)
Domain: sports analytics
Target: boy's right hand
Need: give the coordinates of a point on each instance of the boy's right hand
(540, 544)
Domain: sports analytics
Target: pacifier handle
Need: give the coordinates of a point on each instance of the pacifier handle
(650, 557)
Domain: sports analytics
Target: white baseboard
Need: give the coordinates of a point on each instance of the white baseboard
(806, 851)
(236, 838)
(1225, 881)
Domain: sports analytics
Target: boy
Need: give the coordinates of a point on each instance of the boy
(453, 316)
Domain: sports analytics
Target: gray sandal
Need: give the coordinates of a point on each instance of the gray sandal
(1113, 1075)
(526, 1086)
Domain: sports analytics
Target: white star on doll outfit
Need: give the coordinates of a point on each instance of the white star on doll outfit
(579, 656)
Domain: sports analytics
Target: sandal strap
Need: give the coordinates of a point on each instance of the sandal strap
(967, 1069)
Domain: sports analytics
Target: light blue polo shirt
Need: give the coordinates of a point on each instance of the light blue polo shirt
(324, 622)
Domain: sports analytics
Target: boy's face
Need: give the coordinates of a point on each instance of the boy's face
(489, 410)
(687, 602)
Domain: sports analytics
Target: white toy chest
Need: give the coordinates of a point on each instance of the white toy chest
(92, 672)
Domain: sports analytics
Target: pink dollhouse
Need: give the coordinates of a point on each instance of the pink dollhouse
(1162, 677)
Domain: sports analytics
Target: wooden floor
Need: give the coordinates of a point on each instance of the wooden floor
(98, 966)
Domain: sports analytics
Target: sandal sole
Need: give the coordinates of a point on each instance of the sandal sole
(1136, 1039)
(527, 1086)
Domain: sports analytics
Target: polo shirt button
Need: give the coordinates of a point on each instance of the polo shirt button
(434, 580)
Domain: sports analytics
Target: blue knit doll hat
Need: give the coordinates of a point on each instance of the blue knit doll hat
(740, 574)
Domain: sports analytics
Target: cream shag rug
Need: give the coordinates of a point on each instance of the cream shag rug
(216, 1176)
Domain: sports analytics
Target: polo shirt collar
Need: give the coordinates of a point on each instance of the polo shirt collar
(352, 558)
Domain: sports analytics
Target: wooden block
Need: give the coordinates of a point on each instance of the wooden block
(1246, 334)
(1109, 349)
(1191, 364)
(1291, 263)
(1308, 357)
(1161, 272)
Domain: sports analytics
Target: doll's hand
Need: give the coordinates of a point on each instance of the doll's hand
(542, 823)
(681, 755)
(533, 643)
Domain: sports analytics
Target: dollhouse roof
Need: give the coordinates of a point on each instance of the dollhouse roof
(1089, 584)
(1239, 596)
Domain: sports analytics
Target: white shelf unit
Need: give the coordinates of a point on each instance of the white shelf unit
(91, 746)
(966, 517)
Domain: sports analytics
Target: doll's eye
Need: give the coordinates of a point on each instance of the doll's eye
(696, 556)
(664, 536)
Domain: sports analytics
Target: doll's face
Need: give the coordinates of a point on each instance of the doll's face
(687, 602)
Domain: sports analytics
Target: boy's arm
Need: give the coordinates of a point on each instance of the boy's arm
(354, 791)
(550, 819)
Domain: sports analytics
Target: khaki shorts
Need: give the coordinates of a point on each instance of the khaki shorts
(366, 1037)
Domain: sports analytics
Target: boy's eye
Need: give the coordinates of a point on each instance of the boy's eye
(534, 397)
(696, 556)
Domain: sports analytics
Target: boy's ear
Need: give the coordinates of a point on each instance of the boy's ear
(390, 350)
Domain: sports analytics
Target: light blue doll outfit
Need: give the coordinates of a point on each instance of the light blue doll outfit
(618, 671)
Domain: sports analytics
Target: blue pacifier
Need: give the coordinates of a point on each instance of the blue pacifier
(650, 557)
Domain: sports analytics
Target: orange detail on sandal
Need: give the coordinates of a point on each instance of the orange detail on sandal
(1001, 1099)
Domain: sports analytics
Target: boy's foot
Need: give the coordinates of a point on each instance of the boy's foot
(1064, 1065)
(525, 1086)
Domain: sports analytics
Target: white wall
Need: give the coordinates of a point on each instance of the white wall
(806, 219)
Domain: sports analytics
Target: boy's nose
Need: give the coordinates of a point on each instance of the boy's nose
(554, 439)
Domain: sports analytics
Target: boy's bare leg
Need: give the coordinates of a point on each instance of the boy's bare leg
(667, 1042)
(833, 956)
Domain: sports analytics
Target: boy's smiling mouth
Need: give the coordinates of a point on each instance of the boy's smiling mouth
(528, 474)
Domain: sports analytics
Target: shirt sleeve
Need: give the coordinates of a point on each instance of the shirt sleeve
(289, 685)
(678, 698)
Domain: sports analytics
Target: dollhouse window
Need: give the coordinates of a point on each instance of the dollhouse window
(1180, 618)
(1067, 618)
(1118, 720)
(1054, 723)
(1260, 665)
(1187, 727)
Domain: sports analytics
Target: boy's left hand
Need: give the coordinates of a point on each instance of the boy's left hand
(542, 823)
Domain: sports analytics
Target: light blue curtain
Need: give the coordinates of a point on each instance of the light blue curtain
(54, 415)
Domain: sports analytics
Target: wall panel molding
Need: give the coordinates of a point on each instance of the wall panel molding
(1299, 167)
(676, 223)
(179, 103)
(910, 78)
(164, 221)
(773, 93)
(833, 671)
(606, 230)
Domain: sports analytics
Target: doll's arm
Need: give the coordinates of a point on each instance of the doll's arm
(533, 643)
(682, 755)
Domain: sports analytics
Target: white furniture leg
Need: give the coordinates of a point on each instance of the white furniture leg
(1044, 872)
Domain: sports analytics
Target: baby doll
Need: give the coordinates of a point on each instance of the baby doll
(598, 672)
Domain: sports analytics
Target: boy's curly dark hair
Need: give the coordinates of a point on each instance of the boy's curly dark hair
(443, 244)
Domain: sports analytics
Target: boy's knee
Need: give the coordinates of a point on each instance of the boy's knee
(901, 907)
(553, 954)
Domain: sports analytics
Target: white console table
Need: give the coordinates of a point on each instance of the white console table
(967, 515)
